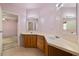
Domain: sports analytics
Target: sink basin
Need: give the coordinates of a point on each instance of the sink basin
(53, 37)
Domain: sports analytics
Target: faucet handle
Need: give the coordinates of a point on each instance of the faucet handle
(31, 32)
(57, 36)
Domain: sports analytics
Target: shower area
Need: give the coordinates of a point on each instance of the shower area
(9, 22)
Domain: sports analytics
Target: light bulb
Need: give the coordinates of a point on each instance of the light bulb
(3, 19)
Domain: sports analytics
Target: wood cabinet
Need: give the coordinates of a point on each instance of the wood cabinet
(29, 41)
(38, 41)
(46, 48)
(33, 41)
(53, 51)
(41, 43)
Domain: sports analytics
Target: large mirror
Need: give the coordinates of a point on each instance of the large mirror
(69, 17)
(32, 24)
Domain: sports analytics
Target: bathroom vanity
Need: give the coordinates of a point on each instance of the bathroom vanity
(50, 46)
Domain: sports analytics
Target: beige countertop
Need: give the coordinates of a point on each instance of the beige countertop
(61, 43)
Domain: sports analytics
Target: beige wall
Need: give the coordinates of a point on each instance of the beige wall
(49, 19)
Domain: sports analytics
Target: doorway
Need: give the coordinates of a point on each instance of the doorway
(10, 23)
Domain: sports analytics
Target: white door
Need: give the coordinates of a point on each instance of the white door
(0, 31)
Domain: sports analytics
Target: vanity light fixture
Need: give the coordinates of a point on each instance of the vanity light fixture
(65, 25)
(59, 5)
(65, 22)
(70, 17)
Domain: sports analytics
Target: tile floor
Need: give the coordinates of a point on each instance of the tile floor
(20, 51)
(11, 49)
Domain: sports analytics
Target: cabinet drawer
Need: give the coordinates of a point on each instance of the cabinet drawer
(40, 43)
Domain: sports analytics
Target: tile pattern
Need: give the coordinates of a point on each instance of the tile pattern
(9, 42)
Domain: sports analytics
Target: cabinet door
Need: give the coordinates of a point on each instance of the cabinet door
(57, 52)
(46, 48)
(40, 43)
(33, 41)
(26, 40)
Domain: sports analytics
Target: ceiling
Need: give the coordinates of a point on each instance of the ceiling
(38, 5)
(69, 5)
(29, 5)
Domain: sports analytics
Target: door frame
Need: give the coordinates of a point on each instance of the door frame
(8, 12)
